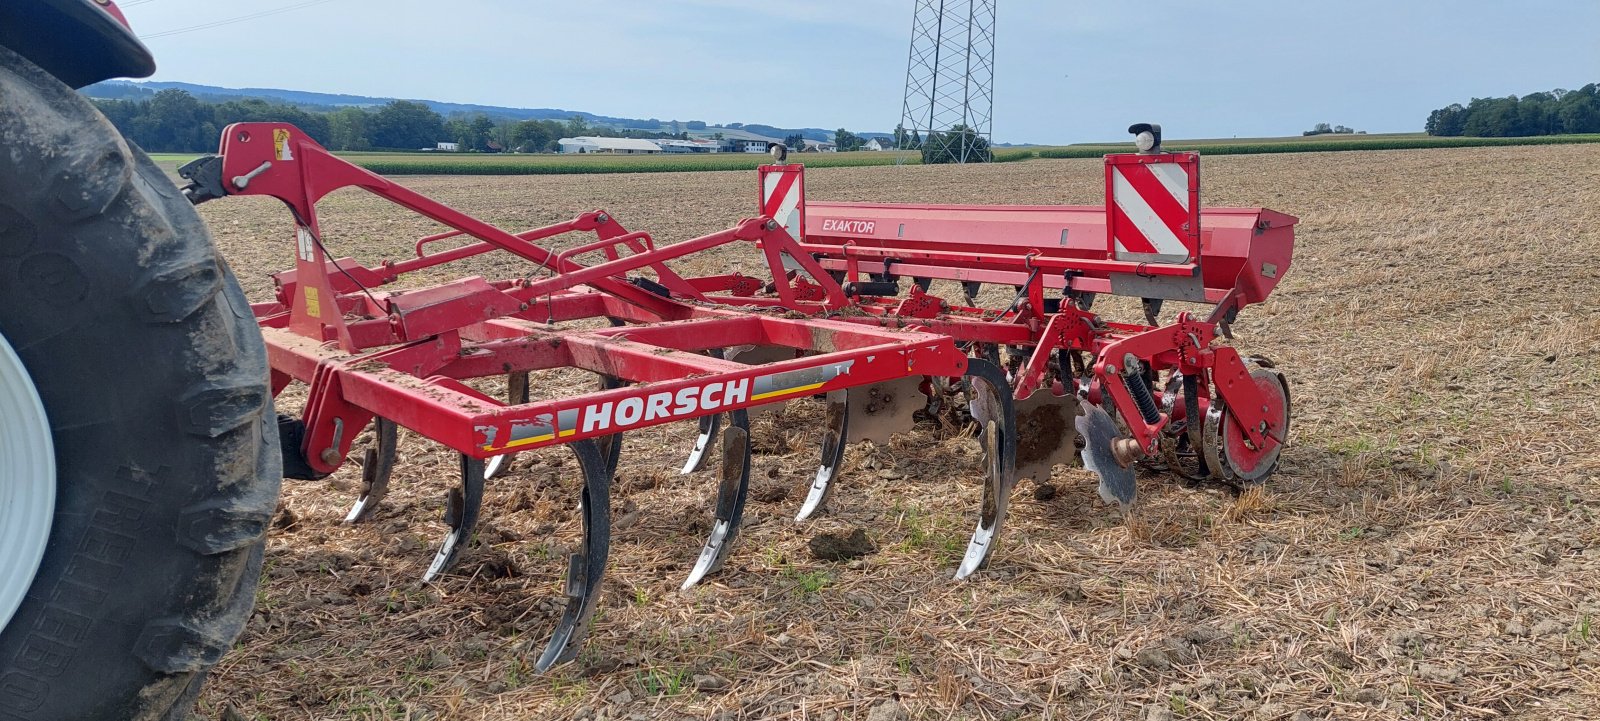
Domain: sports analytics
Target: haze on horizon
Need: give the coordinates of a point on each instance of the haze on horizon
(1066, 71)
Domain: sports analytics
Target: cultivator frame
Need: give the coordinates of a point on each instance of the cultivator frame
(829, 323)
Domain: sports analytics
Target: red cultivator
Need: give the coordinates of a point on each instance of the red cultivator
(831, 322)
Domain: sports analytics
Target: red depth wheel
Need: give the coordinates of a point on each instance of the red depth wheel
(1242, 460)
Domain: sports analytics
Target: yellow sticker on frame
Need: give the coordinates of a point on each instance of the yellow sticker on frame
(280, 145)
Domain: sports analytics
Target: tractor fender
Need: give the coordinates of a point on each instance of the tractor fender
(81, 42)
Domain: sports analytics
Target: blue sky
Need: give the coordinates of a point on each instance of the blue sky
(1066, 71)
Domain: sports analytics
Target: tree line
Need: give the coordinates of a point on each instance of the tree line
(173, 121)
(1555, 112)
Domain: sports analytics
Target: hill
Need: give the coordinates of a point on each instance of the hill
(129, 90)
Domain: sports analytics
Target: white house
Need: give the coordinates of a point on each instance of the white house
(448, 147)
(615, 146)
(820, 146)
(879, 144)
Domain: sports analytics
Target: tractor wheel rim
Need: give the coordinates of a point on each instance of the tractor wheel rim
(27, 481)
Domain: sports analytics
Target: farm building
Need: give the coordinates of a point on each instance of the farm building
(879, 144)
(688, 146)
(448, 147)
(614, 146)
(734, 140)
(820, 146)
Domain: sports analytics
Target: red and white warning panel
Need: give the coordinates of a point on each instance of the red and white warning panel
(783, 197)
(1153, 207)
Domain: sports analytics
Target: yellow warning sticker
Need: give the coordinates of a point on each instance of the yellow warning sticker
(280, 145)
(313, 302)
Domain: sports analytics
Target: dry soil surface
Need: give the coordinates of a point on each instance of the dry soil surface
(1429, 548)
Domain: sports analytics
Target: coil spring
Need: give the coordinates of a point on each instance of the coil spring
(1133, 378)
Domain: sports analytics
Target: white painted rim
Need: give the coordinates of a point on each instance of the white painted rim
(27, 481)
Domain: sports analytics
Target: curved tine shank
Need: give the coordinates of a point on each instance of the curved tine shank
(833, 443)
(611, 446)
(516, 394)
(377, 469)
(732, 488)
(461, 513)
(997, 422)
(585, 569)
(709, 425)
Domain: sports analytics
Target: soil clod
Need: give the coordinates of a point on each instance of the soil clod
(839, 547)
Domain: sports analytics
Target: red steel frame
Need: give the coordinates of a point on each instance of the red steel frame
(1040, 248)
(403, 355)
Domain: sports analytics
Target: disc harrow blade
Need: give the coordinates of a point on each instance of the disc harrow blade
(879, 411)
(732, 488)
(833, 443)
(1046, 434)
(1117, 483)
(376, 470)
(996, 417)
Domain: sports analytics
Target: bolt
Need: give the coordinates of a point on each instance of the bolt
(602, 218)
(330, 456)
(772, 225)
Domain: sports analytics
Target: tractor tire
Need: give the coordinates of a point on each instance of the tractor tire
(142, 352)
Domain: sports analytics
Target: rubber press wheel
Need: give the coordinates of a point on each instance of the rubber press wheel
(139, 465)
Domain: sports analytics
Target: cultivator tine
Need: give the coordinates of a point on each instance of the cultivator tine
(611, 445)
(516, 394)
(878, 411)
(995, 415)
(462, 506)
(832, 453)
(732, 488)
(585, 570)
(376, 470)
(1045, 434)
(969, 292)
(709, 425)
(1117, 483)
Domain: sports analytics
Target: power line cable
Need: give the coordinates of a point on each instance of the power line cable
(231, 21)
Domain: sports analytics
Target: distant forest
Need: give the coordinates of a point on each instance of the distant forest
(1552, 113)
(173, 121)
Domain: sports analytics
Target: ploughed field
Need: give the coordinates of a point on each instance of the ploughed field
(1428, 549)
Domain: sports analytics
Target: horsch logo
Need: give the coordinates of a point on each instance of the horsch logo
(856, 227)
(657, 406)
